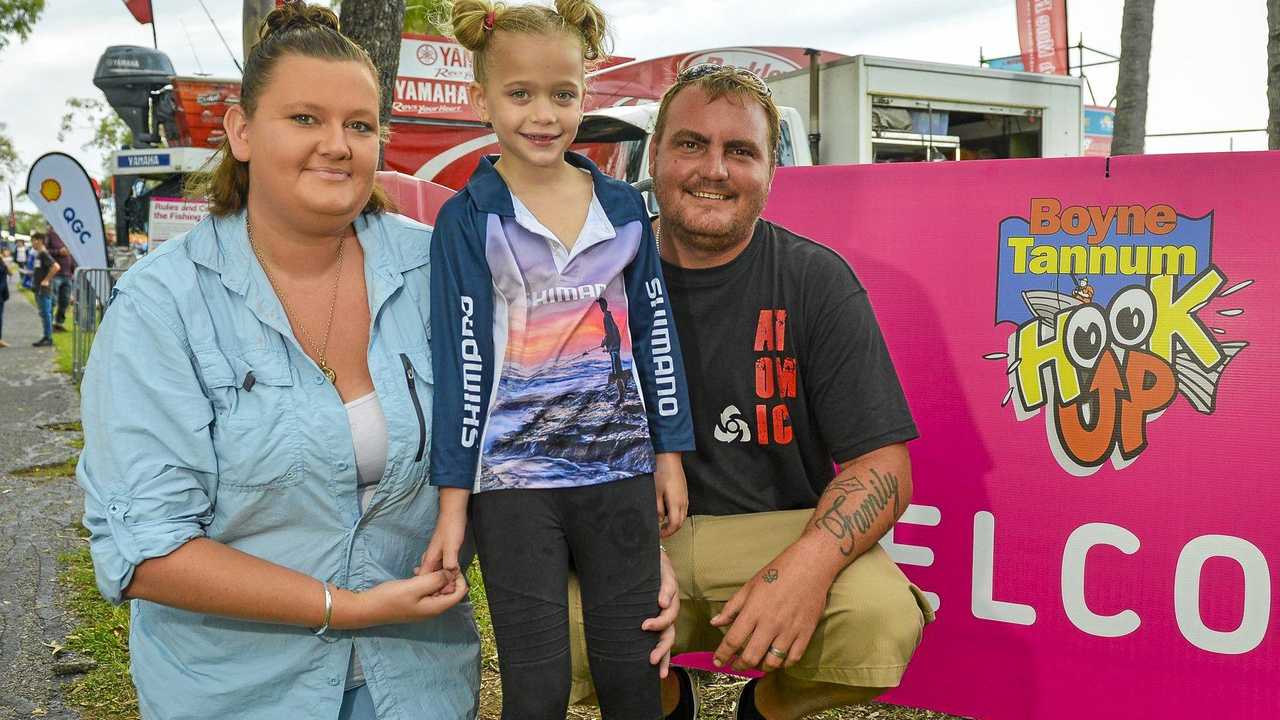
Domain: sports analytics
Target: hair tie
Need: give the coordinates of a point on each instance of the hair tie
(488, 20)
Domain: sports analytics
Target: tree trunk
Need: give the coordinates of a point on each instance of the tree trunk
(1134, 74)
(255, 11)
(376, 27)
(1273, 74)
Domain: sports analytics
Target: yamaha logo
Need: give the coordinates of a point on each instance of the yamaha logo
(427, 54)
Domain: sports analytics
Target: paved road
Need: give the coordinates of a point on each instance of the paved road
(38, 517)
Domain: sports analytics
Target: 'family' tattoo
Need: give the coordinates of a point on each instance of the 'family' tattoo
(844, 524)
(770, 575)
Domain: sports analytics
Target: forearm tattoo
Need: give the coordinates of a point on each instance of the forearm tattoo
(845, 522)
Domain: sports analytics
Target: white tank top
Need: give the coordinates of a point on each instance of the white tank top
(369, 436)
(369, 439)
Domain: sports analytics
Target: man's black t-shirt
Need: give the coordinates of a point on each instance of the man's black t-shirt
(787, 372)
(44, 263)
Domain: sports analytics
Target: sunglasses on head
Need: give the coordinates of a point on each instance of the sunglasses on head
(701, 70)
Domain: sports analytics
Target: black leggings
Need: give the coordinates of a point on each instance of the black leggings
(527, 540)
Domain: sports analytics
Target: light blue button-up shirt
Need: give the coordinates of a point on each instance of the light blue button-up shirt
(204, 418)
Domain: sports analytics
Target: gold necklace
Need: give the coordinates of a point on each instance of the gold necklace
(321, 347)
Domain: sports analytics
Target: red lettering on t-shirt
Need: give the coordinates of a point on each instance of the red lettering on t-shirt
(764, 378)
(787, 378)
(774, 377)
(764, 331)
(781, 425)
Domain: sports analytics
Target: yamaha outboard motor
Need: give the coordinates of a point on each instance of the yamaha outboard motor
(136, 83)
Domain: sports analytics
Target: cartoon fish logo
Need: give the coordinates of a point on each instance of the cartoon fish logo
(1113, 369)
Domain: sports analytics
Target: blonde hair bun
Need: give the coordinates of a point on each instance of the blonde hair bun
(468, 20)
(589, 20)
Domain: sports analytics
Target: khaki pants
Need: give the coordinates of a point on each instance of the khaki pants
(872, 624)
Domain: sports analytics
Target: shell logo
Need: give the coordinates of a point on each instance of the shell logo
(50, 190)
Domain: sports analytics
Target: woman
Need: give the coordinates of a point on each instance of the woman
(255, 458)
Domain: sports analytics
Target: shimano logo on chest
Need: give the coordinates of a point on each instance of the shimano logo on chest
(565, 294)
(472, 367)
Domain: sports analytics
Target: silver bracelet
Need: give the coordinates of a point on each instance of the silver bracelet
(328, 611)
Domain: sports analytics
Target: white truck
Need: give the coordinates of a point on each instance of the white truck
(875, 109)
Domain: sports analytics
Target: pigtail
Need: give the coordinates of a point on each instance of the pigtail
(473, 22)
(588, 19)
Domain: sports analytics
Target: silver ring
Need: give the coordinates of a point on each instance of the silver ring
(781, 655)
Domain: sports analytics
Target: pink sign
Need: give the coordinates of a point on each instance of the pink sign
(1089, 347)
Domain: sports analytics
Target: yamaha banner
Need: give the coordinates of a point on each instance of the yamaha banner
(63, 192)
(1042, 36)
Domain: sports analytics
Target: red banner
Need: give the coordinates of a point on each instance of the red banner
(141, 10)
(1042, 36)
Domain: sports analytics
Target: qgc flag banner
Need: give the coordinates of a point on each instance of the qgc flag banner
(61, 189)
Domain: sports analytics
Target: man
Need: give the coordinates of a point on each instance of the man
(612, 344)
(63, 280)
(788, 375)
(41, 279)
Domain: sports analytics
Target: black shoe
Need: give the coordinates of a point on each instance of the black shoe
(688, 707)
(43, 342)
(59, 327)
(746, 709)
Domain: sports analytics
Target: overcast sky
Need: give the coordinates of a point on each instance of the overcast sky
(1208, 64)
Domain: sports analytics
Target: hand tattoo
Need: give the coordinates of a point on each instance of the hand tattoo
(845, 525)
(770, 575)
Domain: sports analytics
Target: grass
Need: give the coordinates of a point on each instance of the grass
(105, 692)
(49, 471)
(63, 345)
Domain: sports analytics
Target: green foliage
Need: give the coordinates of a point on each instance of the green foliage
(18, 17)
(109, 133)
(427, 17)
(29, 222)
(10, 163)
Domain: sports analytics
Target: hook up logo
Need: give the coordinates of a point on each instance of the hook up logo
(1116, 311)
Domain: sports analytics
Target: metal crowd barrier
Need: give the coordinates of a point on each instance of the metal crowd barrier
(92, 295)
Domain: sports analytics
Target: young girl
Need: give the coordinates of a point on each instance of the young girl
(561, 403)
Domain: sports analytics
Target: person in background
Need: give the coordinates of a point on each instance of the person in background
(63, 280)
(4, 296)
(42, 275)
